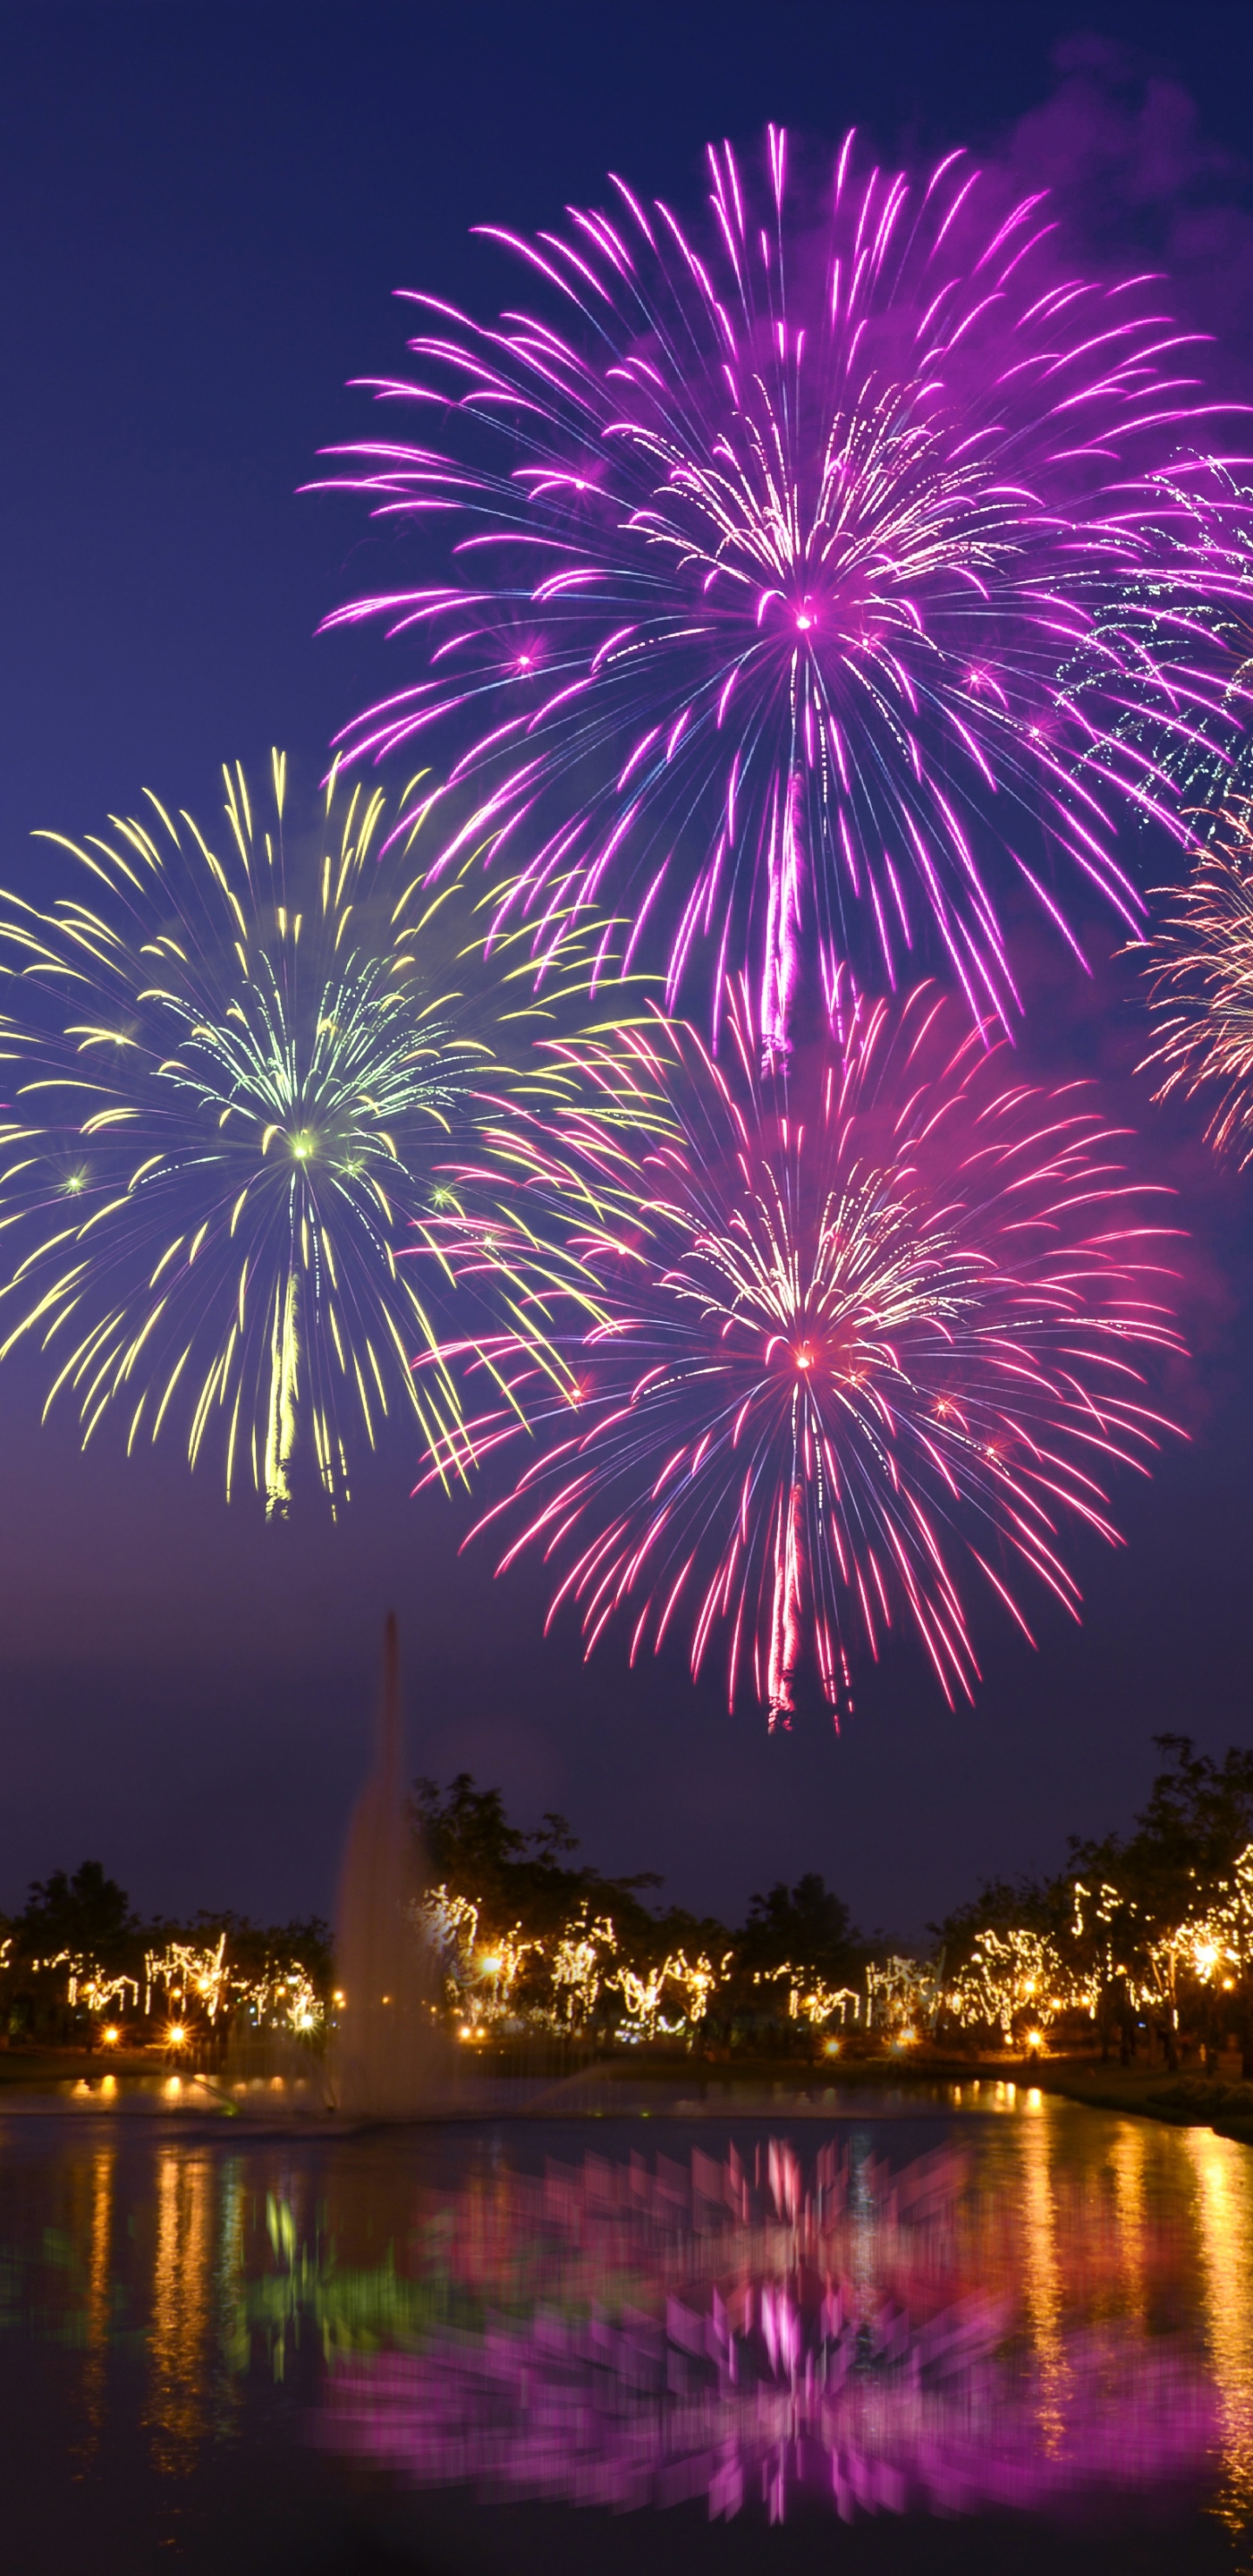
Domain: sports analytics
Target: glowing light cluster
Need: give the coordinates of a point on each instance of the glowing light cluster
(1014, 1978)
(1210, 1949)
(185, 1972)
(1020, 1981)
(790, 549)
(864, 1324)
(191, 1991)
(206, 1984)
(88, 1982)
(903, 1996)
(554, 1979)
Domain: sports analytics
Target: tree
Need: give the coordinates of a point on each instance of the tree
(1198, 1819)
(1002, 1905)
(87, 1914)
(512, 1875)
(807, 1926)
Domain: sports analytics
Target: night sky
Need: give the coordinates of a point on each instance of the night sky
(203, 214)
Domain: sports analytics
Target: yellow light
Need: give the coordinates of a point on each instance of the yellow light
(110, 2036)
(177, 2035)
(1035, 2039)
(172, 2088)
(340, 1998)
(830, 2048)
(493, 1966)
(465, 2031)
(108, 2084)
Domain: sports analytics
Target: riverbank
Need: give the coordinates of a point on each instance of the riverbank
(1185, 2101)
(41, 2070)
(1182, 2100)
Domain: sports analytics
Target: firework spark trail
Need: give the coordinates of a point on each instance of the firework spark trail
(772, 549)
(860, 1328)
(1199, 964)
(235, 1072)
(1198, 581)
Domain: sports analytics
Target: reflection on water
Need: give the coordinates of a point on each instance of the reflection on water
(1127, 2162)
(1044, 2286)
(99, 2180)
(626, 2333)
(870, 2314)
(1226, 2228)
(181, 2308)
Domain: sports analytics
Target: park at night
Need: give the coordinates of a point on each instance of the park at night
(626, 1136)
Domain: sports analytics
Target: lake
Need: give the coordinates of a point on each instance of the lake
(630, 2325)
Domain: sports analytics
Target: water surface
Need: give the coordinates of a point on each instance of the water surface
(966, 2329)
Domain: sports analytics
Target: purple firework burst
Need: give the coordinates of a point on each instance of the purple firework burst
(780, 607)
(837, 1335)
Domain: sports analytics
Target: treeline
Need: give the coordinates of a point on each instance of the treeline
(527, 1937)
(1141, 1941)
(77, 1964)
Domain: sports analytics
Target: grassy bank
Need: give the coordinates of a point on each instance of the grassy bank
(43, 2067)
(1186, 2101)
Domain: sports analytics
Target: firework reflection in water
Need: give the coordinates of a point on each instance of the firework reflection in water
(857, 2340)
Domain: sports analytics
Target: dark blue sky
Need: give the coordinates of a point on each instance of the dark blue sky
(202, 214)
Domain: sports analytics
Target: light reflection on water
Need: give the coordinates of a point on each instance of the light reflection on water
(1225, 2223)
(1051, 2309)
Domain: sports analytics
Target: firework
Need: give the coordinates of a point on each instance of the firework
(1200, 972)
(1199, 580)
(864, 1324)
(236, 1066)
(774, 544)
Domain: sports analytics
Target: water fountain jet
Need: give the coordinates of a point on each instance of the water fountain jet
(388, 2058)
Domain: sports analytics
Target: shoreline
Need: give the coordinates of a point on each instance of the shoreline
(1183, 2100)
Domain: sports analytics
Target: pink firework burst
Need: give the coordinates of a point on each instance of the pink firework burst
(848, 1337)
(784, 603)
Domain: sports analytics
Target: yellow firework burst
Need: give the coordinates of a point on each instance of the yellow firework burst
(238, 1065)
